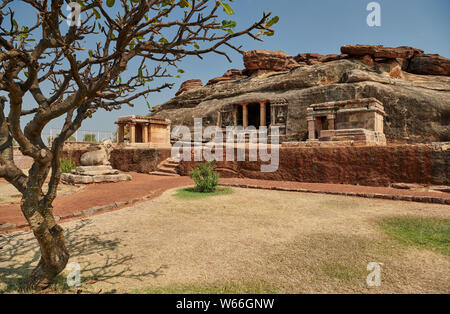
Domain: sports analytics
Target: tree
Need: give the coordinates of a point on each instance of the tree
(89, 138)
(141, 40)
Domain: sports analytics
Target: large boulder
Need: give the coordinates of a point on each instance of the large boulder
(230, 75)
(189, 85)
(431, 64)
(380, 51)
(266, 60)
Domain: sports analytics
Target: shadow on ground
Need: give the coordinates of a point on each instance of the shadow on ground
(19, 254)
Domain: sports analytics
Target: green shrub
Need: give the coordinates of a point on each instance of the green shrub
(205, 178)
(66, 165)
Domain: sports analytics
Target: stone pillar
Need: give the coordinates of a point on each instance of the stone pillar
(219, 119)
(235, 110)
(145, 133)
(311, 128)
(244, 116)
(330, 119)
(121, 133)
(262, 114)
(132, 132)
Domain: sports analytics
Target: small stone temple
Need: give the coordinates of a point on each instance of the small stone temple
(359, 120)
(147, 130)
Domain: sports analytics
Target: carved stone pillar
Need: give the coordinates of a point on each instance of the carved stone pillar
(244, 116)
(219, 119)
(235, 111)
(145, 133)
(121, 133)
(330, 119)
(262, 114)
(311, 128)
(132, 132)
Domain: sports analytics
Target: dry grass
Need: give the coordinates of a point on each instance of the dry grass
(248, 241)
(10, 195)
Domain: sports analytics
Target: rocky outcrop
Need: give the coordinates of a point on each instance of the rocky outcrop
(230, 75)
(316, 58)
(189, 85)
(411, 59)
(380, 51)
(266, 60)
(429, 64)
(417, 106)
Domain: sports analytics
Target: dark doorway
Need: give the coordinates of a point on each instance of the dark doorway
(253, 114)
(268, 114)
(138, 135)
(239, 121)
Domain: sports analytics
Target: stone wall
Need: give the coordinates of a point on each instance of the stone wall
(141, 160)
(364, 165)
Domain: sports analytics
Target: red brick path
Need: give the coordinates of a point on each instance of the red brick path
(144, 184)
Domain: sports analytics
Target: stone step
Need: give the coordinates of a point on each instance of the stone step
(167, 170)
(165, 174)
(170, 164)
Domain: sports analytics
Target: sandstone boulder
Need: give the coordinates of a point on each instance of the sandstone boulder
(430, 64)
(189, 85)
(230, 75)
(380, 51)
(265, 60)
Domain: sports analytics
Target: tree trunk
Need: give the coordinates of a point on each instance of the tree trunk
(50, 236)
(54, 257)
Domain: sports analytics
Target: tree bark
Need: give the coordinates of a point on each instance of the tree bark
(37, 209)
(54, 257)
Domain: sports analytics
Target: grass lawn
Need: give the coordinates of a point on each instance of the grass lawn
(190, 193)
(424, 232)
(249, 241)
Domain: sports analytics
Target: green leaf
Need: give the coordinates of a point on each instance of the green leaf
(180, 71)
(272, 21)
(164, 41)
(110, 3)
(227, 8)
(96, 13)
(268, 33)
(196, 45)
(26, 74)
(91, 53)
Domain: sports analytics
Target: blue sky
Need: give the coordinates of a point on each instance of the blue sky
(320, 26)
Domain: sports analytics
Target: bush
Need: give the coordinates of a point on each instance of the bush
(66, 165)
(205, 178)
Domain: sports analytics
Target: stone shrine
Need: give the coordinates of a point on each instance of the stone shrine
(359, 120)
(95, 168)
(144, 130)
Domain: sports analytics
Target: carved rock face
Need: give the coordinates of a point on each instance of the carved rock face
(98, 157)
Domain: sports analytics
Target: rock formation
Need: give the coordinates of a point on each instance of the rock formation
(189, 85)
(414, 88)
